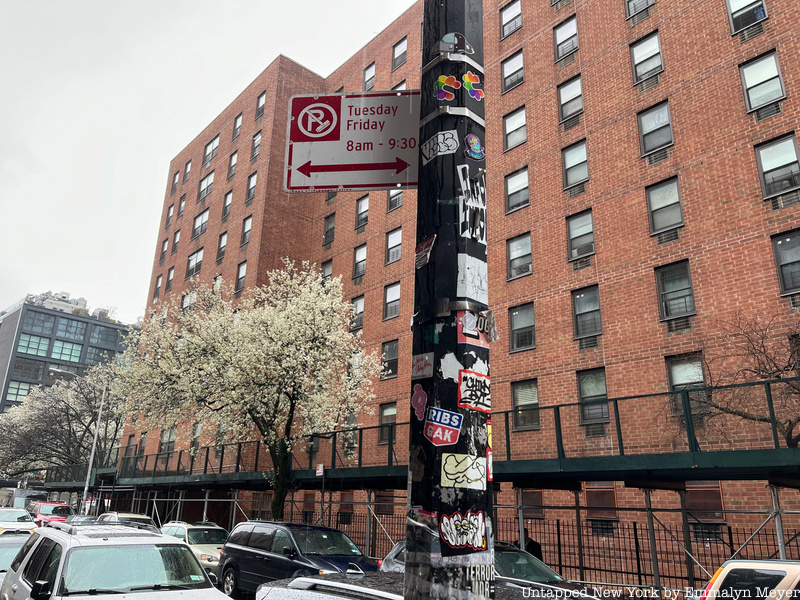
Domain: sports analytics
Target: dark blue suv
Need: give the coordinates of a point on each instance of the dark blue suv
(261, 551)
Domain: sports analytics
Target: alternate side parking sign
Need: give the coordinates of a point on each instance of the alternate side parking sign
(351, 142)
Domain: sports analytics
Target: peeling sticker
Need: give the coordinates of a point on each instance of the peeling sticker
(489, 465)
(471, 329)
(463, 471)
(450, 367)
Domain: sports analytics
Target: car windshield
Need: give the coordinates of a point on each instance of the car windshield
(207, 535)
(145, 520)
(325, 543)
(58, 510)
(121, 568)
(521, 565)
(18, 515)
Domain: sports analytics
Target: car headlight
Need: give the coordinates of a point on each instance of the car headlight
(326, 571)
(209, 558)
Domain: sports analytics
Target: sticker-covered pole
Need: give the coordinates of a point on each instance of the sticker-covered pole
(449, 540)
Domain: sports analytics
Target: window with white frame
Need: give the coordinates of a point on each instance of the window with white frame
(358, 313)
(389, 359)
(256, 149)
(261, 101)
(510, 18)
(194, 262)
(200, 224)
(241, 271)
(362, 211)
(251, 187)
(786, 248)
(206, 184)
(655, 129)
(634, 7)
(388, 418)
(522, 333)
(232, 164)
(591, 392)
(778, 166)
(369, 77)
(399, 53)
(514, 128)
(517, 194)
(576, 164)
(400, 86)
(519, 256)
(566, 37)
(525, 396)
(744, 13)
(164, 246)
(223, 242)
(247, 224)
(391, 301)
(580, 231)
(393, 245)
(512, 71)
(570, 99)
(327, 269)
(586, 312)
(211, 150)
(395, 200)
(359, 261)
(181, 205)
(761, 78)
(646, 58)
(675, 295)
(664, 206)
(686, 373)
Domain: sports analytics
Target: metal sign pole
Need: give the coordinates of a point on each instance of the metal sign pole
(449, 539)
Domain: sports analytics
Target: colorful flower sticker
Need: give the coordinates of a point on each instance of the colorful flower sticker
(470, 81)
(443, 82)
(474, 149)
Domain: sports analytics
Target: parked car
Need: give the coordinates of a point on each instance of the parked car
(205, 539)
(15, 520)
(42, 512)
(81, 519)
(260, 551)
(9, 547)
(125, 517)
(754, 579)
(67, 561)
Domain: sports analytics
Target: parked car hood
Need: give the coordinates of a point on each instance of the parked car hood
(341, 562)
(212, 549)
(197, 594)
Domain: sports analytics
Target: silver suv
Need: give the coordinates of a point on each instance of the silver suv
(72, 561)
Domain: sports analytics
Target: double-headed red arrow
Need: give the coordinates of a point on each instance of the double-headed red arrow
(399, 165)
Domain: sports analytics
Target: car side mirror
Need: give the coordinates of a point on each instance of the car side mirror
(40, 590)
(213, 577)
(288, 551)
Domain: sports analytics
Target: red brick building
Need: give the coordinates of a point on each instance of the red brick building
(642, 181)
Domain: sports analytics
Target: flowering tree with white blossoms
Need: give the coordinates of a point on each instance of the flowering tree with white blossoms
(55, 425)
(282, 357)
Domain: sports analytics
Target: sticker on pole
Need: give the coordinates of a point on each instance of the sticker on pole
(365, 141)
(442, 427)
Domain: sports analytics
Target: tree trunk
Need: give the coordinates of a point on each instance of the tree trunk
(280, 484)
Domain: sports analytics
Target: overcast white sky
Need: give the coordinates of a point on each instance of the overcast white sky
(96, 97)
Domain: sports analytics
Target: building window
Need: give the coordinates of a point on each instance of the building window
(400, 86)
(664, 206)
(38, 322)
(167, 442)
(157, 290)
(66, 351)
(206, 184)
(256, 145)
(580, 230)
(175, 178)
(170, 276)
(251, 187)
(591, 390)
(163, 255)
(525, 395)
(56, 372)
(744, 13)
(675, 295)
(181, 205)
(514, 128)
(170, 212)
(106, 336)
(330, 229)
(237, 126)
(686, 373)
(360, 261)
(634, 7)
(200, 224)
(399, 53)
(586, 311)
(762, 81)
(96, 356)
(566, 37)
(388, 418)
(327, 269)
(247, 224)
(655, 129)
(358, 313)
(369, 77)
(260, 103)
(576, 164)
(187, 301)
(194, 262)
(176, 238)
(570, 99)
(519, 256)
(71, 329)
(787, 256)
(232, 164)
(704, 507)
(393, 245)
(646, 58)
(391, 301)
(211, 150)
(226, 206)
(223, 242)
(778, 166)
(532, 504)
(33, 344)
(513, 73)
(241, 271)
(362, 211)
(17, 390)
(28, 369)
(601, 500)
(395, 200)
(521, 326)
(186, 170)
(517, 194)
(389, 359)
(510, 18)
